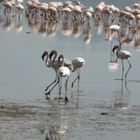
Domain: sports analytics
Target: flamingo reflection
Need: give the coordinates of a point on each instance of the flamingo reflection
(121, 99)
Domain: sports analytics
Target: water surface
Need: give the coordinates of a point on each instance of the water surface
(105, 109)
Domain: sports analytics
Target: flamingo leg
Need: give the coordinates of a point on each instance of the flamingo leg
(66, 85)
(128, 69)
(60, 85)
(122, 70)
(77, 78)
(51, 83)
(78, 81)
(48, 93)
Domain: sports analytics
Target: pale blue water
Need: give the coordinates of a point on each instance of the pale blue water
(24, 77)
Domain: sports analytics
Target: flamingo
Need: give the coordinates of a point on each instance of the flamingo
(55, 64)
(20, 8)
(77, 64)
(49, 62)
(123, 55)
(8, 6)
(63, 71)
(112, 29)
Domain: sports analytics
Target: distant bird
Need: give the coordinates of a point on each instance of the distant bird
(122, 54)
(77, 64)
(112, 29)
(8, 6)
(20, 8)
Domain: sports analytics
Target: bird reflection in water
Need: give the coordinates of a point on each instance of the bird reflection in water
(56, 132)
(8, 22)
(77, 29)
(52, 28)
(19, 25)
(121, 99)
(57, 128)
(87, 30)
(67, 28)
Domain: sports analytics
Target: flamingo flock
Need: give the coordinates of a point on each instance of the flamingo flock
(63, 67)
(75, 18)
(121, 25)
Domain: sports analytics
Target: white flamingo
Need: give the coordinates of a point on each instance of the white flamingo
(8, 6)
(54, 63)
(63, 72)
(77, 64)
(123, 55)
(111, 32)
(20, 8)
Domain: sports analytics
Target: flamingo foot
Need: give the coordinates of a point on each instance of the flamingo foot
(47, 97)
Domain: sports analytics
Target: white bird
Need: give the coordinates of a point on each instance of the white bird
(112, 30)
(20, 8)
(8, 6)
(77, 64)
(63, 72)
(54, 63)
(123, 55)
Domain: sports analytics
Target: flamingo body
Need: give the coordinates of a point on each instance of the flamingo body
(124, 54)
(78, 62)
(63, 71)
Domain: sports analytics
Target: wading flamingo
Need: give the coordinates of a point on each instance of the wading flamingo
(123, 55)
(54, 63)
(77, 63)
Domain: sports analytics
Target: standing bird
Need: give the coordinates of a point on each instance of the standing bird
(77, 63)
(114, 28)
(111, 32)
(49, 62)
(122, 54)
(54, 63)
(63, 72)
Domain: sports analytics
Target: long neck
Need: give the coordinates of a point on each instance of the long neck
(118, 50)
(61, 60)
(46, 60)
(53, 56)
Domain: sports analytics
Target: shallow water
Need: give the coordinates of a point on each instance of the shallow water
(105, 108)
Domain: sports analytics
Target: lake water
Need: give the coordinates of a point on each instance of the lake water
(92, 115)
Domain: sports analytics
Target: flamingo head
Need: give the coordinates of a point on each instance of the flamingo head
(53, 53)
(44, 54)
(61, 58)
(116, 47)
